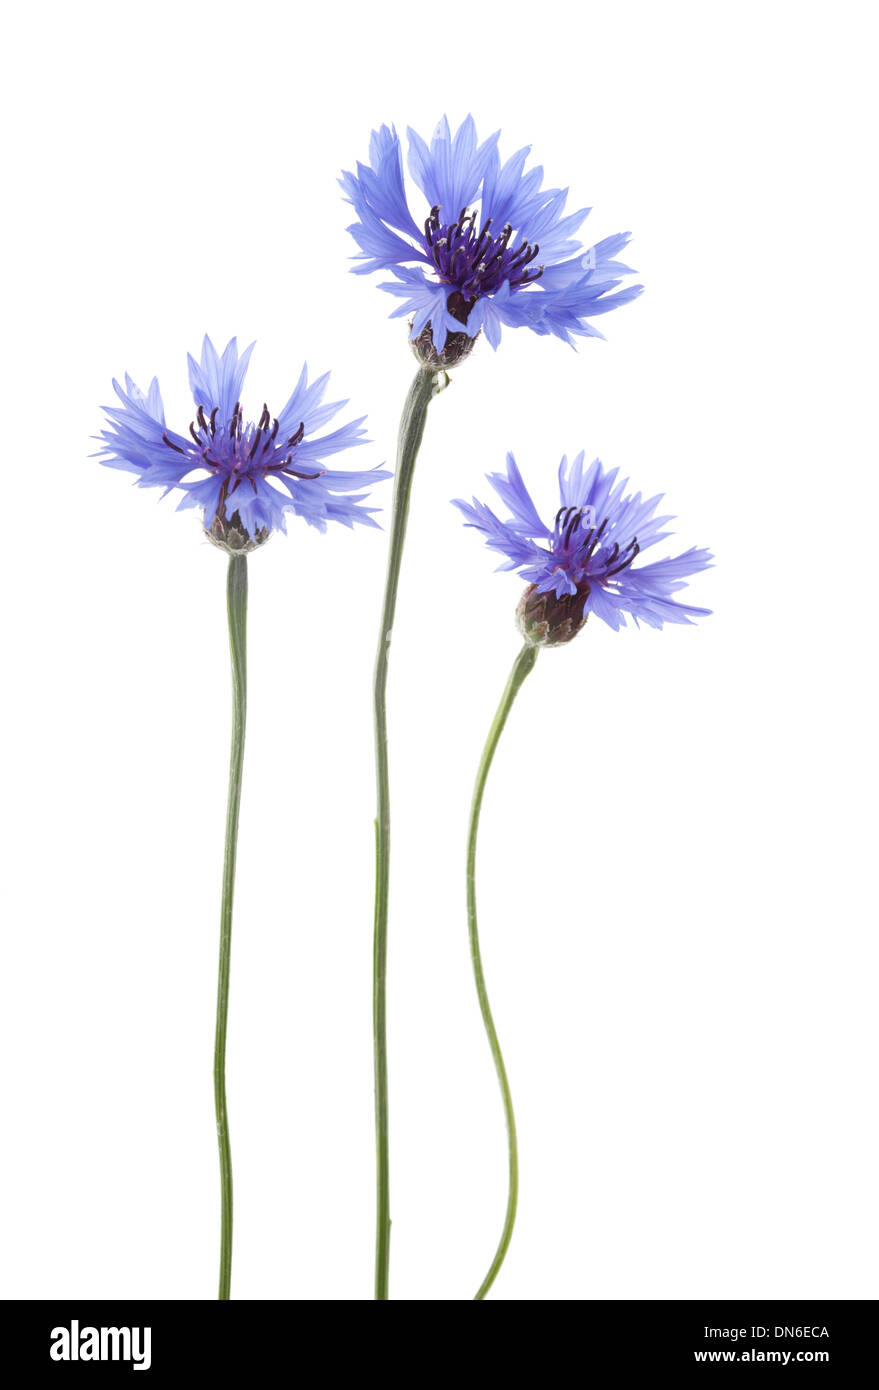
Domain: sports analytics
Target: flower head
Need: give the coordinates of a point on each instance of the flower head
(491, 247)
(244, 475)
(585, 562)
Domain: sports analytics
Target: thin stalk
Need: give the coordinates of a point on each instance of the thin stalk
(236, 602)
(523, 664)
(423, 388)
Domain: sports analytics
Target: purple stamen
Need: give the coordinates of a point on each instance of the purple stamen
(477, 264)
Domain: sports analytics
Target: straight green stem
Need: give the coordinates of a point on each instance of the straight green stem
(412, 424)
(236, 601)
(523, 664)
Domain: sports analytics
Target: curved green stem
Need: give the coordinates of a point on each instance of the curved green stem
(523, 664)
(422, 390)
(236, 601)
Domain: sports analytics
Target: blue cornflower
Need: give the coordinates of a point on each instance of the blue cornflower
(245, 475)
(513, 260)
(584, 562)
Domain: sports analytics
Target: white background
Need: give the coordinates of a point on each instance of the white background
(675, 866)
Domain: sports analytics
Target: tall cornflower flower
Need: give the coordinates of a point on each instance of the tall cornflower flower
(488, 248)
(245, 476)
(584, 562)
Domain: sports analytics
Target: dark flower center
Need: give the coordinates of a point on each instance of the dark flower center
(575, 543)
(240, 452)
(477, 263)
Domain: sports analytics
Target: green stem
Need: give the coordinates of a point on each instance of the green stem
(412, 424)
(236, 601)
(523, 664)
